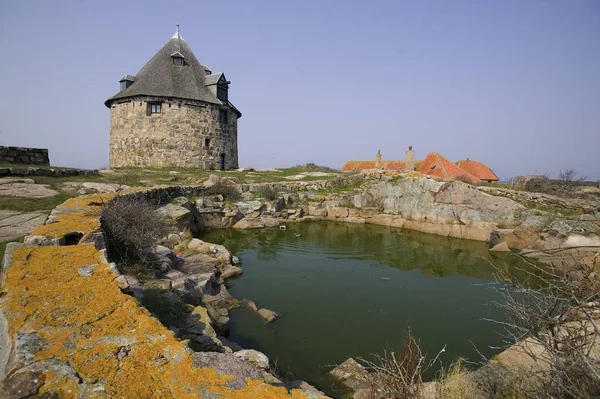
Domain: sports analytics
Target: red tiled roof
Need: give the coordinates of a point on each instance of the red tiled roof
(394, 165)
(358, 165)
(477, 169)
(436, 165)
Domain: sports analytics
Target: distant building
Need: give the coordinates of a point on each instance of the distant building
(433, 165)
(174, 112)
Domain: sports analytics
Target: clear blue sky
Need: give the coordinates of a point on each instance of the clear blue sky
(514, 84)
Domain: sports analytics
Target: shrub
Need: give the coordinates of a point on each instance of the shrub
(269, 193)
(398, 375)
(131, 231)
(225, 188)
(560, 324)
(311, 167)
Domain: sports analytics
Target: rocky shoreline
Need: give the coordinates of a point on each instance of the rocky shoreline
(193, 272)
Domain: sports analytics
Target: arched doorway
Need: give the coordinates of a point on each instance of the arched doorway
(222, 164)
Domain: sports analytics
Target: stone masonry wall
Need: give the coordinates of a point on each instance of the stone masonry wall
(175, 137)
(23, 155)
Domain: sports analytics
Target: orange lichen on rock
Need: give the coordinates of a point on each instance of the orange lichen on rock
(94, 200)
(104, 342)
(76, 222)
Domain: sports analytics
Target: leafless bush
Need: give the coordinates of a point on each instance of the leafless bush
(398, 375)
(131, 231)
(567, 179)
(556, 328)
(225, 188)
(269, 193)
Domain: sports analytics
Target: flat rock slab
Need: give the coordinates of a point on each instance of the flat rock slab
(15, 224)
(25, 188)
(91, 188)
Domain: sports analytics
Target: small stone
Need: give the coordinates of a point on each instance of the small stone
(268, 315)
(235, 260)
(251, 304)
(195, 244)
(174, 239)
(87, 270)
(256, 358)
(501, 247)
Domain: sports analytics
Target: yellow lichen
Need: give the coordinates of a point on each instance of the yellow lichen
(103, 334)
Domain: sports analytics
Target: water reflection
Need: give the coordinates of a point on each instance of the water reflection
(347, 290)
(397, 248)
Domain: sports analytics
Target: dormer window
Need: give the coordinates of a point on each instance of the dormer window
(222, 93)
(126, 81)
(178, 59)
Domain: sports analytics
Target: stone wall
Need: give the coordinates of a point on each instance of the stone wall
(46, 172)
(24, 155)
(176, 137)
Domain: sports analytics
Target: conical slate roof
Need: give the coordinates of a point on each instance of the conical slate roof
(159, 77)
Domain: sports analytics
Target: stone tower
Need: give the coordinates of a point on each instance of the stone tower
(174, 112)
(409, 162)
(378, 159)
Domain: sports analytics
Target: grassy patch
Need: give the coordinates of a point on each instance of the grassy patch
(33, 204)
(552, 210)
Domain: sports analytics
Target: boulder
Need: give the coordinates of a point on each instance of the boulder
(230, 271)
(231, 345)
(307, 390)
(316, 211)
(351, 374)
(177, 217)
(338, 212)
(198, 322)
(199, 263)
(256, 358)
(268, 315)
(247, 223)
(271, 222)
(199, 246)
(228, 365)
(501, 247)
(250, 304)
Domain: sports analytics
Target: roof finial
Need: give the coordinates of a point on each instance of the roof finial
(177, 35)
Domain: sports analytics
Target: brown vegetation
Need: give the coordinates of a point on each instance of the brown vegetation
(131, 231)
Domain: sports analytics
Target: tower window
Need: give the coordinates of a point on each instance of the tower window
(223, 116)
(154, 108)
(178, 61)
(222, 93)
(207, 142)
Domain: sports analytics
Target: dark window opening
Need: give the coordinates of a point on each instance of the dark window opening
(154, 108)
(222, 163)
(179, 105)
(178, 61)
(222, 93)
(207, 142)
(222, 116)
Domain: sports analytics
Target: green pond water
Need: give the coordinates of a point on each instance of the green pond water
(346, 290)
